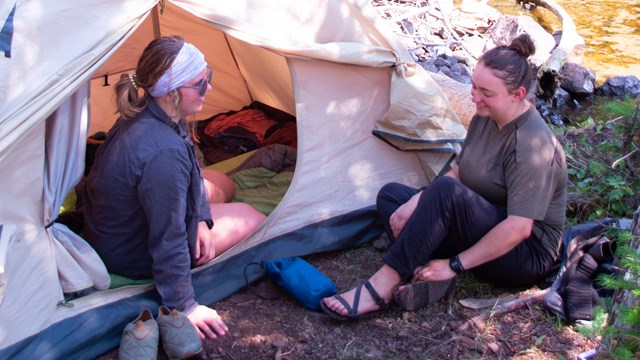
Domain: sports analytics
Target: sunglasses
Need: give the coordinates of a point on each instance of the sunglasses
(203, 84)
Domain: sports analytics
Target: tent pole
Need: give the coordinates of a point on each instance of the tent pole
(155, 20)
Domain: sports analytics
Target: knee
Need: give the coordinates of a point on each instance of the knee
(444, 188)
(219, 186)
(389, 191)
(445, 185)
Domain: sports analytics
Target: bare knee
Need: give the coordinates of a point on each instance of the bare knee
(220, 188)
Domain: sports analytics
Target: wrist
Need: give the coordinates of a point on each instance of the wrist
(456, 265)
(189, 308)
(209, 223)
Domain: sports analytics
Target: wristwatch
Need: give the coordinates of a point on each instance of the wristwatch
(209, 223)
(456, 265)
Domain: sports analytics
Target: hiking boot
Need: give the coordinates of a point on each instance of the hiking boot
(179, 337)
(140, 338)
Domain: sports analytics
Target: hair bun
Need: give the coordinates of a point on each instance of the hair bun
(523, 45)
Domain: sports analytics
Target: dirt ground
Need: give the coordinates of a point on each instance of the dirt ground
(265, 323)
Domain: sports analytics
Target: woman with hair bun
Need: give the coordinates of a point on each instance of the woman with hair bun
(147, 207)
(499, 212)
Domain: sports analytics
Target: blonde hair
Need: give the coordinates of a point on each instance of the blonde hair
(156, 58)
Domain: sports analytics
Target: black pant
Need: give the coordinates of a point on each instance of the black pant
(450, 218)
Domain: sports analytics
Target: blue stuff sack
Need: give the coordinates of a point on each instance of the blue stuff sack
(301, 280)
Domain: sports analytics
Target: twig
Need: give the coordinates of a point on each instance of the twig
(410, 13)
(615, 119)
(348, 344)
(617, 162)
(503, 309)
(453, 32)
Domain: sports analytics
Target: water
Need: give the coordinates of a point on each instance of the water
(610, 28)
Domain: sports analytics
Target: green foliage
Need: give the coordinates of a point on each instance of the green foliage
(596, 326)
(626, 331)
(619, 108)
(601, 163)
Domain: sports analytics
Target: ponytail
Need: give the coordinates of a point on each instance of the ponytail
(128, 100)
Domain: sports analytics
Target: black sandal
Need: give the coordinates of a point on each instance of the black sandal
(422, 293)
(352, 312)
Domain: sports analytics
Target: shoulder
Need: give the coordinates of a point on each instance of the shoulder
(151, 133)
(532, 121)
(534, 137)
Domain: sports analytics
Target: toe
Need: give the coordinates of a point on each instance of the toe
(333, 304)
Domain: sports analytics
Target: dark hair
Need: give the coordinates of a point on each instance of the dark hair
(156, 58)
(510, 63)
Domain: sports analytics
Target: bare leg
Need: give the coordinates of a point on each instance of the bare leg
(383, 281)
(220, 187)
(232, 223)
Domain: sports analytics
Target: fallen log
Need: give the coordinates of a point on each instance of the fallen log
(549, 72)
(509, 306)
(478, 304)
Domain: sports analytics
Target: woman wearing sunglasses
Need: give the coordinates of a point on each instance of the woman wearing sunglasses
(146, 206)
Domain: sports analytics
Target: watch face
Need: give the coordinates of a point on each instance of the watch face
(456, 265)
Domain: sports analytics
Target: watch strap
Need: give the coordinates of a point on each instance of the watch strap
(456, 265)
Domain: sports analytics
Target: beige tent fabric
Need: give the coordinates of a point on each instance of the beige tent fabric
(420, 116)
(459, 96)
(329, 64)
(312, 32)
(419, 110)
(77, 55)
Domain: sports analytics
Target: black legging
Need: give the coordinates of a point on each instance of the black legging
(448, 219)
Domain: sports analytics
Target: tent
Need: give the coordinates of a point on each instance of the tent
(333, 64)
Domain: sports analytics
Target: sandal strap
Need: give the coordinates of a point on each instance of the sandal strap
(374, 294)
(356, 301)
(346, 305)
(352, 311)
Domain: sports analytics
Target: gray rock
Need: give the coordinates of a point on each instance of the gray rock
(619, 86)
(429, 66)
(561, 99)
(577, 80)
(382, 242)
(442, 62)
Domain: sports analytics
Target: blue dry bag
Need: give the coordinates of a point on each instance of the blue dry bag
(301, 280)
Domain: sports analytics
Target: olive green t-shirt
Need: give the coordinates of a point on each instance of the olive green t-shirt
(520, 168)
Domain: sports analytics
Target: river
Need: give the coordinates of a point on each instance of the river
(610, 29)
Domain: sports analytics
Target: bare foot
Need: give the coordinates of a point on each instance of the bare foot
(382, 285)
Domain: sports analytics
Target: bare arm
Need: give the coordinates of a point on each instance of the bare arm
(498, 241)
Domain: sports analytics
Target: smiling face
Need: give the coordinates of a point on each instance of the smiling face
(190, 100)
(493, 98)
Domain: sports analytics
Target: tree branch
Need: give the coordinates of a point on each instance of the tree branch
(503, 308)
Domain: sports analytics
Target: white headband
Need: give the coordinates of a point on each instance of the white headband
(186, 66)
